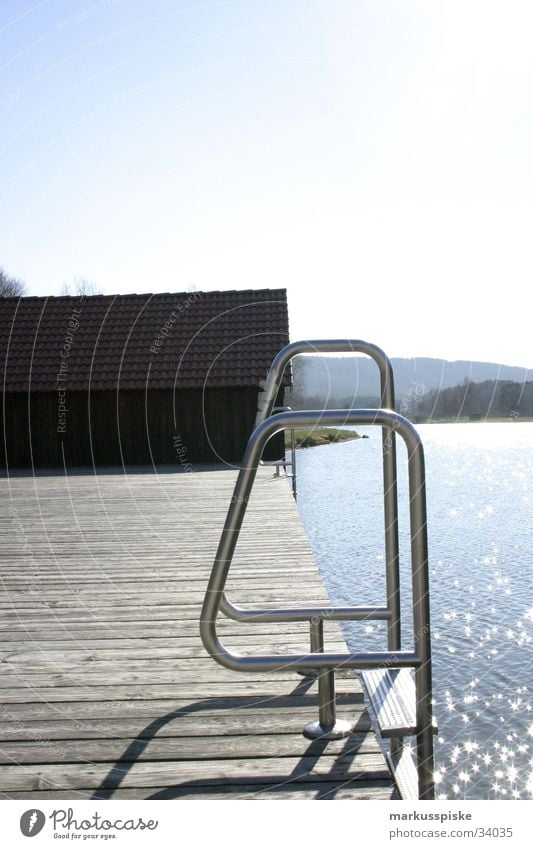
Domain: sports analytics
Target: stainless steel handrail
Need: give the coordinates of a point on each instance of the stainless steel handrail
(266, 405)
(324, 346)
(420, 658)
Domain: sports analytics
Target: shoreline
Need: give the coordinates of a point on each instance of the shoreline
(313, 437)
(496, 420)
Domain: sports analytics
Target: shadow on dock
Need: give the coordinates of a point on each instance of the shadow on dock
(242, 786)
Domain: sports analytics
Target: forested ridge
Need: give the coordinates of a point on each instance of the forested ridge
(488, 399)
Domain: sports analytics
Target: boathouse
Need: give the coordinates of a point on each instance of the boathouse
(155, 379)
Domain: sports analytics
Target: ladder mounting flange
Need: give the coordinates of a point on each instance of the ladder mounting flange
(341, 729)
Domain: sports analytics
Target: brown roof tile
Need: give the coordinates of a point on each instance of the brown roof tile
(187, 339)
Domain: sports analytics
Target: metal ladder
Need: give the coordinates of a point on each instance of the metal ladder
(400, 705)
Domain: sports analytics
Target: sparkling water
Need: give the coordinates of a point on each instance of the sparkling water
(480, 544)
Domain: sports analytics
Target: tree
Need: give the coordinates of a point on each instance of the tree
(295, 397)
(509, 398)
(82, 287)
(10, 287)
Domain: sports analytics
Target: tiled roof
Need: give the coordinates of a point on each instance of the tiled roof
(160, 341)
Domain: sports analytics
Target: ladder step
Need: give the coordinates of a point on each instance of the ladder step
(392, 695)
(405, 774)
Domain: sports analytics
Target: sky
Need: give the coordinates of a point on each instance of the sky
(371, 156)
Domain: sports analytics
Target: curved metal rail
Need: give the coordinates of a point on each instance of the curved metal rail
(326, 662)
(391, 612)
(324, 346)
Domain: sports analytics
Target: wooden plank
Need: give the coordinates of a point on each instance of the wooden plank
(288, 790)
(184, 680)
(151, 661)
(245, 705)
(193, 724)
(180, 748)
(141, 690)
(166, 684)
(140, 774)
(139, 630)
(187, 646)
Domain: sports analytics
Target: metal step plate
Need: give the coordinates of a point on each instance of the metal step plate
(405, 774)
(392, 695)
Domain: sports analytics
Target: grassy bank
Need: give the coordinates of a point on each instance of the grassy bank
(319, 436)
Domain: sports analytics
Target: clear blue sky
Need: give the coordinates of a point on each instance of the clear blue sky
(373, 156)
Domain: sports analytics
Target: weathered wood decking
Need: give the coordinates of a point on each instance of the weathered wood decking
(106, 690)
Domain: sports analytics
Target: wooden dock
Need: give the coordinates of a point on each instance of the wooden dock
(106, 690)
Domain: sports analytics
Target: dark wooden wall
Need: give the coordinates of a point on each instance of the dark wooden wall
(130, 428)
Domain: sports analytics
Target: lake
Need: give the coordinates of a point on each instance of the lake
(480, 544)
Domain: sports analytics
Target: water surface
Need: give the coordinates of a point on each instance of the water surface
(480, 537)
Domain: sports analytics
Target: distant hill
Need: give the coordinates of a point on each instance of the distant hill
(338, 380)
